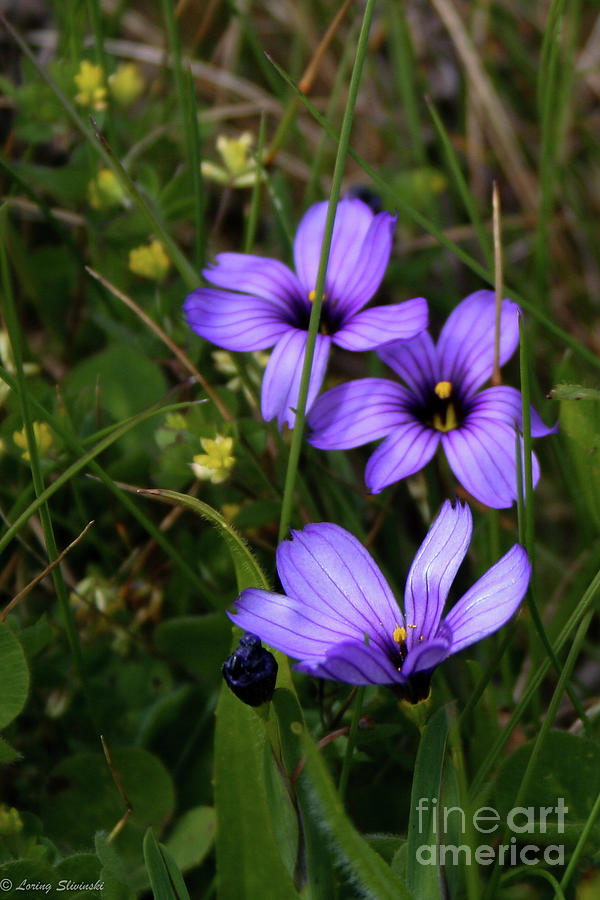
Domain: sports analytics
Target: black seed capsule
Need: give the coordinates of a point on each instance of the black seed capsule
(251, 671)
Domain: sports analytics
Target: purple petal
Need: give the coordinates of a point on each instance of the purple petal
(281, 382)
(329, 570)
(482, 456)
(347, 265)
(382, 324)
(491, 601)
(234, 321)
(415, 361)
(504, 405)
(466, 344)
(261, 277)
(426, 656)
(356, 283)
(433, 571)
(357, 412)
(405, 451)
(290, 624)
(354, 663)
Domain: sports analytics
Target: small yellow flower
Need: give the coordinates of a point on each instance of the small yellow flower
(215, 463)
(230, 510)
(239, 168)
(10, 820)
(105, 191)
(90, 81)
(149, 261)
(43, 439)
(126, 84)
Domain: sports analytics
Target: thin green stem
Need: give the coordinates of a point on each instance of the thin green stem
(340, 162)
(347, 764)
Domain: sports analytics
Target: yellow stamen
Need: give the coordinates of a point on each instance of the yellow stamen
(311, 296)
(448, 423)
(399, 634)
(443, 389)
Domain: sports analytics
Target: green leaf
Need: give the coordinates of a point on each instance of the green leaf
(7, 753)
(199, 643)
(567, 768)
(84, 799)
(175, 875)
(283, 812)
(574, 392)
(192, 837)
(247, 570)
(114, 889)
(424, 880)
(14, 676)
(82, 868)
(116, 872)
(125, 380)
(164, 886)
(366, 868)
(580, 423)
(37, 636)
(248, 860)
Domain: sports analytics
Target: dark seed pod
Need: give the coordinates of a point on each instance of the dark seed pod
(251, 671)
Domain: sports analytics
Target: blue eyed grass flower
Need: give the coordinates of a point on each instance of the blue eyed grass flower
(441, 402)
(339, 617)
(260, 303)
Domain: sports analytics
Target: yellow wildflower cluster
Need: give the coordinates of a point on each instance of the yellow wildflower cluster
(126, 84)
(90, 81)
(216, 462)
(149, 261)
(105, 191)
(239, 168)
(43, 439)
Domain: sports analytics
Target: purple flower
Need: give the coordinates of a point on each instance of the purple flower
(339, 617)
(260, 303)
(440, 404)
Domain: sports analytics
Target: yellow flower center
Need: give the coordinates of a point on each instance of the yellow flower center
(443, 389)
(399, 634)
(444, 413)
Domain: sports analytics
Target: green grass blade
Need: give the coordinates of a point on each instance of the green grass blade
(315, 313)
